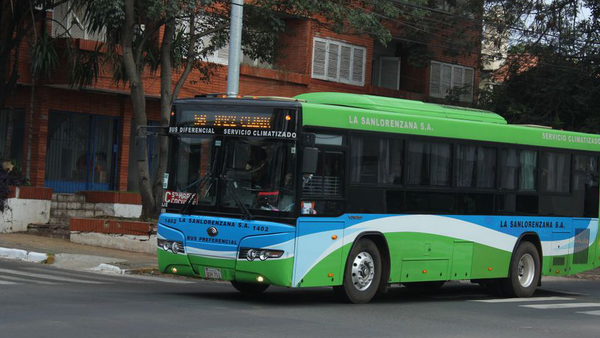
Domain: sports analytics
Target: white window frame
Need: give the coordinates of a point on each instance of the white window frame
(337, 78)
(453, 67)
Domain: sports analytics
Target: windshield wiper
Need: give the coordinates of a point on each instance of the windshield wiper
(237, 199)
(188, 202)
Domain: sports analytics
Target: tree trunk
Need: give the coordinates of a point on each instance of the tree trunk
(169, 94)
(134, 69)
(166, 100)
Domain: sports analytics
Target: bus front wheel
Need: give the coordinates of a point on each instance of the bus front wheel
(249, 288)
(524, 271)
(362, 273)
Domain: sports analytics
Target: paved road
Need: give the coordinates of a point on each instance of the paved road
(41, 301)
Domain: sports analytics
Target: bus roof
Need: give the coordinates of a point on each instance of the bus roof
(408, 107)
(381, 114)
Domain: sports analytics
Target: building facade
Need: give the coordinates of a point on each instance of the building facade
(81, 139)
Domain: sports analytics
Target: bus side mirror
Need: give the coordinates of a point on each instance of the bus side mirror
(309, 160)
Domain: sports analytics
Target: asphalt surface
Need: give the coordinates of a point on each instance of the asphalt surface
(43, 301)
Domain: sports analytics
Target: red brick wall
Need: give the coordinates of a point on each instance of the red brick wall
(296, 41)
(293, 78)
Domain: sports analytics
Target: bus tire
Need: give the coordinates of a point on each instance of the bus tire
(362, 273)
(249, 288)
(524, 273)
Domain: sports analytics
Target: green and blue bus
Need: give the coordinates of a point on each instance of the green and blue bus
(359, 192)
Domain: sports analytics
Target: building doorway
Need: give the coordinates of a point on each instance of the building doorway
(82, 152)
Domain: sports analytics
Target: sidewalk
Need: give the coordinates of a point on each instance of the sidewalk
(78, 256)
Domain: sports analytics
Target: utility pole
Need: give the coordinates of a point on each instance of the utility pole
(235, 48)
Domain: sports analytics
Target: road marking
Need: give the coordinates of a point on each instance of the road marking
(518, 300)
(17, 279)
(134, 279)
(49, 277)
(561, 306)
(593, 313)
(6, 283)
(161, 279)
(90, 275)
(572, 293)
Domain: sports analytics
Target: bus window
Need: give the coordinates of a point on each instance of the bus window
(366, 200)
(326, 183)
(429, 163)
(476, 166)
(555, 172)
(585, 186)
(376, 160)
(429, 202)
(474, 204)
(528, 161)
(328, 180)
(509, 164)
(518, 169)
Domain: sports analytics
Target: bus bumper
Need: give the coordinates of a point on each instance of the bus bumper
(193, 263)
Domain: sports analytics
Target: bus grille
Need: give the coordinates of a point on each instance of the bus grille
(582, 245)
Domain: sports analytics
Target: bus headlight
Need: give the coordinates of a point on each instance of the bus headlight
(262, 254)
(175, 247)
(251, 255)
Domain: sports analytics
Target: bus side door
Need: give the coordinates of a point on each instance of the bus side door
(318, 254)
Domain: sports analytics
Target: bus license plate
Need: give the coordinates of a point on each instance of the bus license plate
(212, 273)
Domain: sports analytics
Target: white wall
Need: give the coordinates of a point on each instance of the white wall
(19, 213)
(145, 244)
(120, 210)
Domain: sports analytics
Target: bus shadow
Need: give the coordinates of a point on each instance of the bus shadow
(279, 296)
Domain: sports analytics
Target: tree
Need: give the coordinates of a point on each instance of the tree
(551, 76)
(191, 30)
(18, 21)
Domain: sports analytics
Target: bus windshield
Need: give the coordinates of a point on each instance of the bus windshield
(231, 174)
(258, 173)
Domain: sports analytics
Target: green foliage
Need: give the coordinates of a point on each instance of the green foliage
(264, 22)
(84, 66)
(44, 57)
(563, 96)
(551, 76)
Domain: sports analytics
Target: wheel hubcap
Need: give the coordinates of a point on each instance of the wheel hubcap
(363, 271)
(526, 270)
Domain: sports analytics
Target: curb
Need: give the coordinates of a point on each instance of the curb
(109, 268)
(28, 256)
(142, 271)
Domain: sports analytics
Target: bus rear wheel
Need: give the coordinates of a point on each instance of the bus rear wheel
(362, 273)
(524, 274)
(249, 288)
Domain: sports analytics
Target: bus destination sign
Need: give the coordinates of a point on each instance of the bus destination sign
(277, 123)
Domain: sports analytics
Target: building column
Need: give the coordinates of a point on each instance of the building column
(124, 147)
(39, 136)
